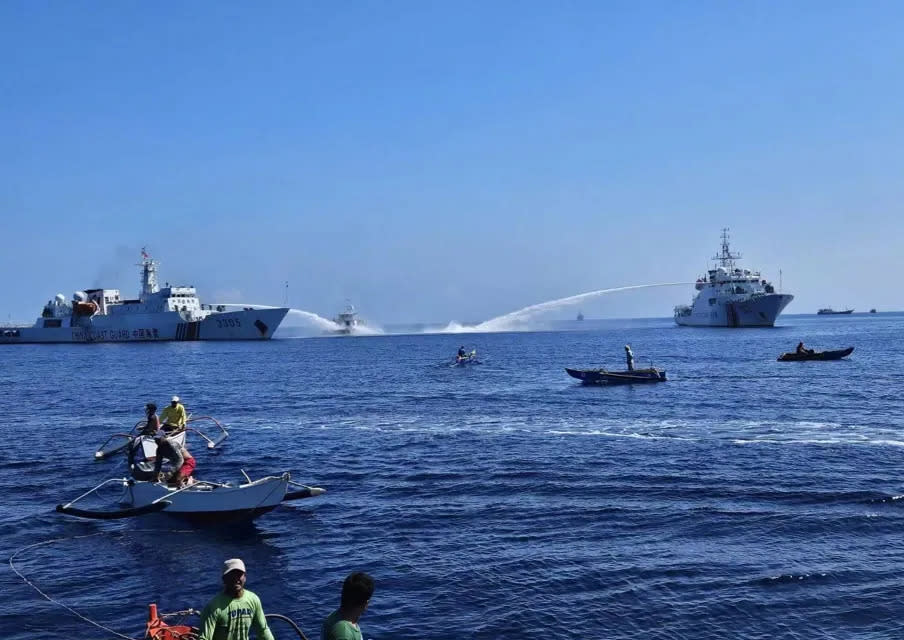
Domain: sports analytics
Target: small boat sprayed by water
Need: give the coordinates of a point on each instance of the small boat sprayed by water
(348, 321)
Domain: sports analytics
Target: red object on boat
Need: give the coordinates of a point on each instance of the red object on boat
(157, 629)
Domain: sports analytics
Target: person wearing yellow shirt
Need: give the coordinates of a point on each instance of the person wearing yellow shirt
(173, 417)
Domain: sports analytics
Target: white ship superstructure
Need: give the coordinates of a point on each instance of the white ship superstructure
(159, 314)
(348, 320)
(728, 296)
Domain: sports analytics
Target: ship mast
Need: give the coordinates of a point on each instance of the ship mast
(148, 275)
(726, 258)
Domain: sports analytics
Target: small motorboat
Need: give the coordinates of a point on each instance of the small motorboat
(201, 500)
(815, 355)
(605, 377)
(467, 359)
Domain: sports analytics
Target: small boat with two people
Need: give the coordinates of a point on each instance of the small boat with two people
(802, 354)
(629, 376)
(829, 311)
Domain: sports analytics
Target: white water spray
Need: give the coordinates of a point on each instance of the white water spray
(518, 319)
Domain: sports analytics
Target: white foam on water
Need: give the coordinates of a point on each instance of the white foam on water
(519, 320)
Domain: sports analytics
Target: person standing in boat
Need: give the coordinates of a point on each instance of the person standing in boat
(173, 416)
(461, 353)
(233, 612)
(629, 357)
(342, 624)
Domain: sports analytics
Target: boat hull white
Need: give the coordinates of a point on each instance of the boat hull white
(210, 502)
(255, 324)
(759, 311)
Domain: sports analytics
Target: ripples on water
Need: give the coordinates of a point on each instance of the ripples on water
(745, 498)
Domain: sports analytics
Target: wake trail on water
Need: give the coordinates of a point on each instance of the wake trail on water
(518, 320)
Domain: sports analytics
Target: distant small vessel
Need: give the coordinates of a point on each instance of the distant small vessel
(872, 311)
(348, 321)
(604, 377)
(816, 355)
(580, 316)
(829, 311)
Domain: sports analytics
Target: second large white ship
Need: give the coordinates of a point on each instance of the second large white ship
(728, 296)
(170, 313)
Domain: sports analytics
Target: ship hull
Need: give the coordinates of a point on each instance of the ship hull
(256, 324)
(761, 311)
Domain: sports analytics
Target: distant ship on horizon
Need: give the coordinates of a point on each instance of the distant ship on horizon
(580, 316)
(728, 296)
(829, 311)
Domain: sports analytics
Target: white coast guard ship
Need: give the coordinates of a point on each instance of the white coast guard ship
(729, 296)
(170, 313)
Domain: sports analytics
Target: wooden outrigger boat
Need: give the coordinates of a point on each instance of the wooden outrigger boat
(604, 377)
(201, 500)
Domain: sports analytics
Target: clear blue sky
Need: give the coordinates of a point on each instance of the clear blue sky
(437, 161)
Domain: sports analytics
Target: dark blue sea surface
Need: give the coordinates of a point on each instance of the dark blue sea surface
(743, 498)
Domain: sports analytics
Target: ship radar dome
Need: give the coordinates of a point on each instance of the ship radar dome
(79, 296)
(60, 298)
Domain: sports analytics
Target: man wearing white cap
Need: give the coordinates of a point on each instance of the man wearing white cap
(234, 611)
(173, 417)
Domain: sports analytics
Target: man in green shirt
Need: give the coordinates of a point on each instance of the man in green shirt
(342, 624)
(235, 610)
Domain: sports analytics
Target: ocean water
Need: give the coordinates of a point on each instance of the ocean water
(744, 498)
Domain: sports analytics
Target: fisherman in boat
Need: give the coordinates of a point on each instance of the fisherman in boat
(166, 450)
(233, 612)
(173, 416)
(342, 624)
(801, 350)
(461, 353)
(152, 422)
(629, 357)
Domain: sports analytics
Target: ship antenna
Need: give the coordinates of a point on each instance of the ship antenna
(726, 258)
(286, 296)
(148, 275)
